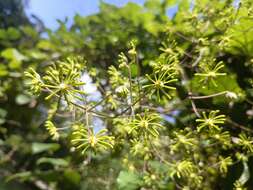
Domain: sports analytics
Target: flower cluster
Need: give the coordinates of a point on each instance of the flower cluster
(210, 71)
(62, 79)
(212, 120)
(85, 139)
(146, 124)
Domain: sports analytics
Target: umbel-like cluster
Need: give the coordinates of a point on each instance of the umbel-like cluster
(136, 119)
(139, 107)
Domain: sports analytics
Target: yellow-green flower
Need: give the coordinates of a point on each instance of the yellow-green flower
(147, 124)
(84, 139)
(212, 120)
(160, 84)
(52, 130)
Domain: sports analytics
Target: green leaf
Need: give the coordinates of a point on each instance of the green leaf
(22, 176)
(45, 45)
(72, 176)
(14, 64)
(224, 83)
(30, 31)
(3, 70)
(13, 33)
(128, 181)
(2, 34)
(44, 147)
(22, 99)
(3, 114)
(12, 54)
(171, 2)
(241, 38)
(2, 121)
(37, 55)
(53, 161)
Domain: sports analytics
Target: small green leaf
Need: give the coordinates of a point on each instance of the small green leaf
(72, 176)
(2, 121)
(2, 34)
(53, 161)
(43, 147)
(37, 55)
(21, 176)
(13, 33)
(12, 54)
(128, 181)
(45, 45)
(3, 70)
(3, 114)
(14, 64)
(22, 99)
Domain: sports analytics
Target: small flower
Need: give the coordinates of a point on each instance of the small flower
(211, 120)
(146, 124)
(183, 169)
(169, 48)
(132, 50)
(168, 65)
(183, 139)
(64, 80)
(116, 77)
(52, 130)
(160, 84)
(123, 61)
(122, 89)
(61, 79)
(85, 139)
(35, 81)
(224, 163)
(140, 148)
(210, 73)
(245, 142)
(224, 138)
(239, 186)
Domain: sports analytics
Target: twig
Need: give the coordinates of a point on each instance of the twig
(198, 59)
(195, 108)
(205, 97)
(239, 125)
(130, 90)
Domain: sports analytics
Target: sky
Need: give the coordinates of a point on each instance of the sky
(51, 10)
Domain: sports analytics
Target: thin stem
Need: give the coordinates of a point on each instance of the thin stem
(195, 108)
(98, 103)
(63, 128)
(130, 90)
(124, 111)
(198, 59)
(205, 97)
(87, 121)
(239, 125)
(138, 77)
(160, 156)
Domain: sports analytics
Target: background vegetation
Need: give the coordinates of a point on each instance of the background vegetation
(205, 49)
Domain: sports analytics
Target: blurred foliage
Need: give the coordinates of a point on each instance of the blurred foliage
(159, 81)
(12, 14)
